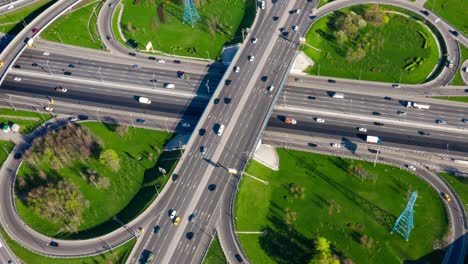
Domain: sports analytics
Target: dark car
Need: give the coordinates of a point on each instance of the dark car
(151, 58)
(216, 101)
(17, 66)
(388, 98)
(239, 258)
(53, 244)
(71, 65)
(227, 82)
(455, 33)
(275, 18)
(17, 156)
(202, 131)
(425, 12)
(190, 235)
(108, 37)
(132, 54)
(83, 117)
(311, 97)
(378, 124)
(174, 177)
(203, 150)
(35, 64)
(376, 113)
(227, 100)
(140, 121)
(177, 61)
(192, 217)
(285, 33)
(331, 81)
(264, 78)
(157, 230)
(423, 133)
(35, 30)
(67, 73)
(212, 187)
(312, 145)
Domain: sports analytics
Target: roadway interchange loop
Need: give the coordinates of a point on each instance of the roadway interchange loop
(36, 242)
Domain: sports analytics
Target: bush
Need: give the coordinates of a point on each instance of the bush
(110, 158)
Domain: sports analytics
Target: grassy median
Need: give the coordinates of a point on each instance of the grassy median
(160, 22)
(349, 202)
(27, 121)
(13, 22)
(104, 191)
(215, 253)
(387, 50)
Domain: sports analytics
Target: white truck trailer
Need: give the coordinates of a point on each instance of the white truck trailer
(416, 105)
(373, 139)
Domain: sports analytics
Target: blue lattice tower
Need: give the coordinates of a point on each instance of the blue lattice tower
(404, 223)
(190, 13)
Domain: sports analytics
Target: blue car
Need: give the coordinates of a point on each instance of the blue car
(192, 217)
(157, 230)
(140, 121)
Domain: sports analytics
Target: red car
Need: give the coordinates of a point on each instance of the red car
(35, 30)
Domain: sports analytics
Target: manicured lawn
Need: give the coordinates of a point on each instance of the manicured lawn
(132, 187)
(457, 80)
(72, 28)
(337, 206)
(454, 11)
(12, 23)
(463, 99)
(142, 23)
(6, 146)
(7, 116)
(215, 254)
(118, 255)
(460, 185)
(391, 48)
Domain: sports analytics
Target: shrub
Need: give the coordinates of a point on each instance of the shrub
(110, 158)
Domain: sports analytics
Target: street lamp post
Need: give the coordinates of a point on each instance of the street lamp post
(97, 113)
(58, 35)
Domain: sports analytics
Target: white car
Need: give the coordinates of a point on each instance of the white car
(295, 28)
(136, 66)
(319, 120)
(236, 69)
(185, 124)
(48, 109)
(336, 145)
(10, 7)
(440, 122)
(251, 58)
(362, 129)
(298, 11)
(411, 167)
(17, 79)
(271, 88)
(254, 40)
(465, 121)
(161, 61)
(173, 214)
(395, 85)
(45, 53)
(401, 113)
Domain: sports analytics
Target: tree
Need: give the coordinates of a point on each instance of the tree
(110, 158)
(323, 254)
(374, 15)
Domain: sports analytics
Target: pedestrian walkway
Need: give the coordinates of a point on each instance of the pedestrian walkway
(267, 156)
(14, 137)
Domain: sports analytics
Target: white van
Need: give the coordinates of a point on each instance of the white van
(338, 95)
(144, 100)
(271, 88)
(220, 130)
(262, 4)
(169, 85)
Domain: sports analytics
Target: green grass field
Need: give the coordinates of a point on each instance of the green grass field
(118, 255)
(12, 23)
(7, 116)
(132, 187)
(323, 2)
(460, 186)
(215, 254)
(6, 146)
(391, 48)
(141, 23)
(454, 11)
(72, 28)
(457, 80)
(336, 206)
(463, 99)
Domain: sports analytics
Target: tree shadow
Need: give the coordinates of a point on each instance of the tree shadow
(380, 215)
(285, 245)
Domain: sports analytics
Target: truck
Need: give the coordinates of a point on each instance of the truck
(338, 95)
(290, 120)
(232, 171)
(373, 139)
(416, 105)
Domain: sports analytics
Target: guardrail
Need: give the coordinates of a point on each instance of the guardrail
(21, 36)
